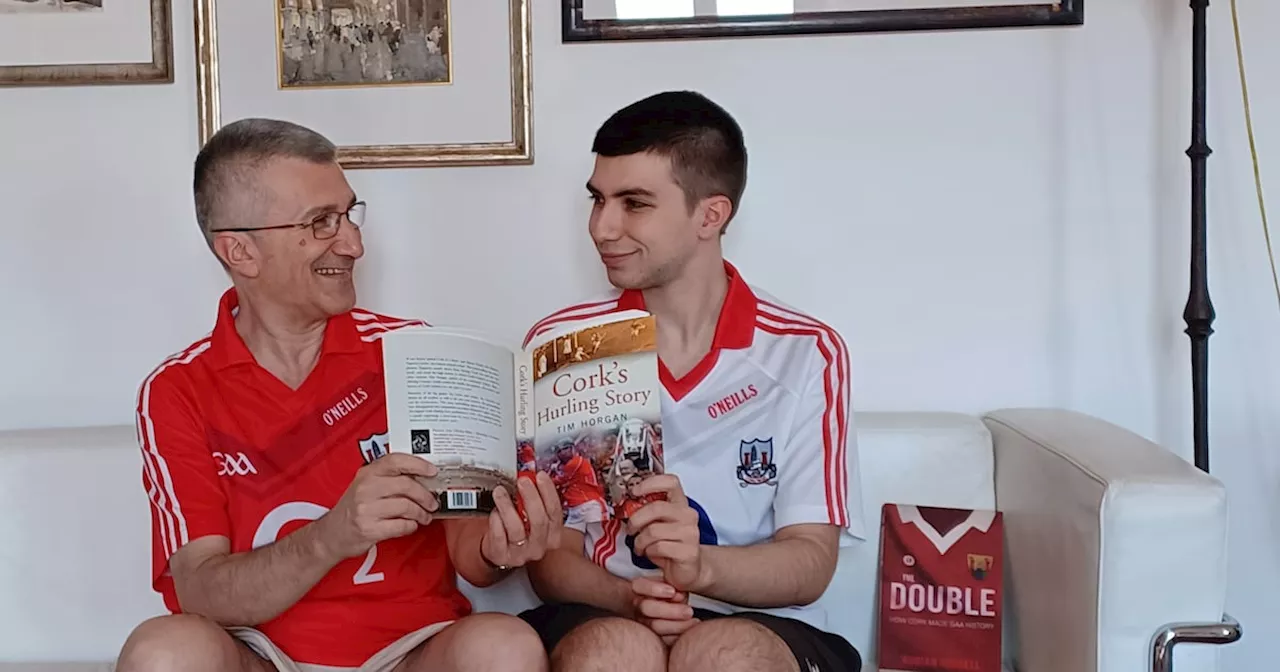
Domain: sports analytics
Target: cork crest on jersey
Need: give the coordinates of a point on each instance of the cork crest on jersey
(757, 465)
(374, 446)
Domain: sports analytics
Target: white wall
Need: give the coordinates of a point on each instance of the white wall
(994, 218)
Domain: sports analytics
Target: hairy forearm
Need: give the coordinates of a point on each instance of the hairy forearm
(256, 586)
(565, 575)
(780, 573)
(464, 537)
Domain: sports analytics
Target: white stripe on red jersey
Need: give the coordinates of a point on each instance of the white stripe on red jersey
(158, 480)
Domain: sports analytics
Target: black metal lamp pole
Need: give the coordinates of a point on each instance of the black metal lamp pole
(1199, 318)
(1198, 313)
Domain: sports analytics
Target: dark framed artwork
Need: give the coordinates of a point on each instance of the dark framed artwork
(604, 20)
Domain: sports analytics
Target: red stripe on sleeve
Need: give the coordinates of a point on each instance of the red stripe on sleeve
(568, 315)
(835, 392)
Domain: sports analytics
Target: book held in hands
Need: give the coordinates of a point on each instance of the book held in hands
(941, 589)
(581, 403)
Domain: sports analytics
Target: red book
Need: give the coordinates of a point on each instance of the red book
(941, 589)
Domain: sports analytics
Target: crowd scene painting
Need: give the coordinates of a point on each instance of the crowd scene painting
(363, 42)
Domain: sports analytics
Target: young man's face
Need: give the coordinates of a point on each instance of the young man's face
(641, 222)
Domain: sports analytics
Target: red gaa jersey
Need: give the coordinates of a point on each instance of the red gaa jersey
(229, 450)
(940, 589)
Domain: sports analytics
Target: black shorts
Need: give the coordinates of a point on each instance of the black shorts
(815, 650)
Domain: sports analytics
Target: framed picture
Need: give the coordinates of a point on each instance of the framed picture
(599, 20)
(72, 42)
(393, 83)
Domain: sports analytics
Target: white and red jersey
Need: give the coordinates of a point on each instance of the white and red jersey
(759, 432)
(941, 579)
(229, 450)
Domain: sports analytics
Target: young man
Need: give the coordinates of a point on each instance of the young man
(284, 535)
(757, 436)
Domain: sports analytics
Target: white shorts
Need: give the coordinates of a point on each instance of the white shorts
(382, 661)
(587, 512)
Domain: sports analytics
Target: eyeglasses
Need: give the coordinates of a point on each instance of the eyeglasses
(323, 227)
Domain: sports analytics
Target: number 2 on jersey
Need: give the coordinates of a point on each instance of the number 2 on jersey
(269, 530)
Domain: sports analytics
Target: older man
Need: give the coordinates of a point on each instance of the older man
(284, 537)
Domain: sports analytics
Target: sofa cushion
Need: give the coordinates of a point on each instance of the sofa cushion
(928, 459)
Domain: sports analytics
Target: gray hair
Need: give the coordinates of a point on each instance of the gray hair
(225, 183)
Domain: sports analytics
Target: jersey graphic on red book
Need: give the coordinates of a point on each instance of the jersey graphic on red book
(941, 580)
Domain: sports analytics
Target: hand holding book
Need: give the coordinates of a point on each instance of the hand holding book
(666, 531)
(385, 500)
(522, 532)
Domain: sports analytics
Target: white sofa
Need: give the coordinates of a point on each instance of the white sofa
(1109, 538)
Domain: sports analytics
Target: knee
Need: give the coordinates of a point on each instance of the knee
(600, 644)
(730, 644)
(174, 642)
(493, 641)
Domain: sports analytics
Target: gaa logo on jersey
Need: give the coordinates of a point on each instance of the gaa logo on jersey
(233, 464)
(374, 447)
(756, 464)
(980, 565)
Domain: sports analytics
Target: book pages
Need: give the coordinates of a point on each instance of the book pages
(450, 402)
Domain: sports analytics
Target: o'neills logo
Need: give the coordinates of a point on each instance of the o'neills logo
(344, 407)
(732, 401)
(922, 598)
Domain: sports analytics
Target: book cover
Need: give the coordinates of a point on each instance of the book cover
(941, 589)
(582, 403)
(598, 423)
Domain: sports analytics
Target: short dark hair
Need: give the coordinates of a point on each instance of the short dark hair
(225, 165)
(703, 141)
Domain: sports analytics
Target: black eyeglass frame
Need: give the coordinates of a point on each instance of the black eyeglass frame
(322, 220)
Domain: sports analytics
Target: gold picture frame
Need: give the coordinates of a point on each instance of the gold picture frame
(516, 151)
(159, 70)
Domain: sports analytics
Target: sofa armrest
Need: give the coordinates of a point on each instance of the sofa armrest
(1109, 537)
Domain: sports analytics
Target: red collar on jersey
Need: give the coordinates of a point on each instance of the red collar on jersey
(737, 322)
(226, 348)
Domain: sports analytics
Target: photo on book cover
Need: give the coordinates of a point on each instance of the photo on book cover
(598, 426)
(581, 403)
